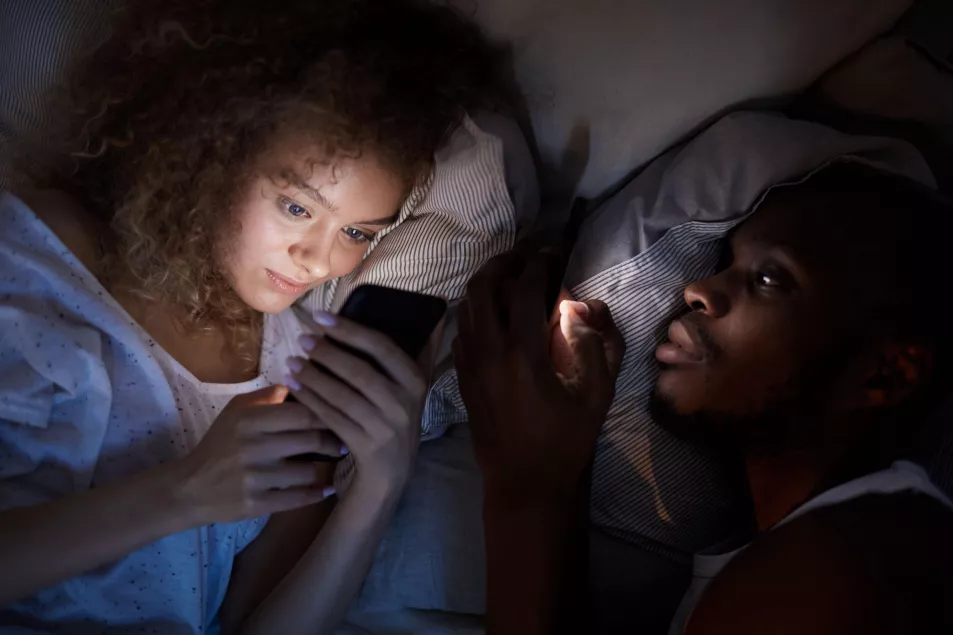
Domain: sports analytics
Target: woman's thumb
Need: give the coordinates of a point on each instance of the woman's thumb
(267, 396)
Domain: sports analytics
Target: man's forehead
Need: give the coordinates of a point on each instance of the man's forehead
(814, 237)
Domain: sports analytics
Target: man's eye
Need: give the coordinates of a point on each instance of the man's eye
(767, 280)
(356, 235)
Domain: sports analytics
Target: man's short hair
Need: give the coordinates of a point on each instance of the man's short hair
(901, 231)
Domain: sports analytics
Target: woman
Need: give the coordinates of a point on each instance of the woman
(228, 158)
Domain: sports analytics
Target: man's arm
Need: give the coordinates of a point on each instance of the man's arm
(536, 395)
(537, 564)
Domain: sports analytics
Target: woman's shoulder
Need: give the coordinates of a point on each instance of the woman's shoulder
(76, 228)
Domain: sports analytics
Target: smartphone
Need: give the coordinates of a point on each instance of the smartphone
(407, 317)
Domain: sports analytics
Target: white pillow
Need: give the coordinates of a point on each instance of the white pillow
(641, 74)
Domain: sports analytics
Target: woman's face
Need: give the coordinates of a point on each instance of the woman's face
(295, 235)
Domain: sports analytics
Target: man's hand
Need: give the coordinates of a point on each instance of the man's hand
(537, 391)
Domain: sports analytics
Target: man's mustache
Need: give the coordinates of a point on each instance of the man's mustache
(693, 323)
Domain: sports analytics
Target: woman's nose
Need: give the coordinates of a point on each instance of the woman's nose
(313, 254)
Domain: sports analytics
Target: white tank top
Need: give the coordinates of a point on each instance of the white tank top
(901, 477)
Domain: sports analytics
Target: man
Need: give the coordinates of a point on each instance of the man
(814, 354)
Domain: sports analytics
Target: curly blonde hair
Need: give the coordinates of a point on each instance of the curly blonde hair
(170, 116)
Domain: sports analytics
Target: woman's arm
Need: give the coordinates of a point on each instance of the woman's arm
(376, 413)
(263, 564)
(47, 543)
(315, 595)
(237, 471)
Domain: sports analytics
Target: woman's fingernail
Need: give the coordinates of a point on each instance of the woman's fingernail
(292, 383)
(308, 342)
(295, 364)
(344, 450)
(329, 491)
(325, 319)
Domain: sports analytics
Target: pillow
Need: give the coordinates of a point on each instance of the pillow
(640, 75)
(890, 87)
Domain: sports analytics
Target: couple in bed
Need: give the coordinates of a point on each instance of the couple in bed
(226, 162)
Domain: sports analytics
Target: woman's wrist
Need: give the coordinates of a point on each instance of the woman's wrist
(376, 492)
(172, 486)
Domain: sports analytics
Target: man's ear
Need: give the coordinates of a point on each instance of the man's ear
(897, 373)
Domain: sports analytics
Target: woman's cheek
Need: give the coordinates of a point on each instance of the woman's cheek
(345, 259)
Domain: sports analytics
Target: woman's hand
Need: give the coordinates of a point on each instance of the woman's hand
(241, 467)
(375, 411)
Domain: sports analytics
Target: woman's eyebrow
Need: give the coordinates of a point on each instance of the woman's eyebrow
(380, 221)
(316, 196)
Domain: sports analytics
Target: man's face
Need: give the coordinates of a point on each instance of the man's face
(765, 334)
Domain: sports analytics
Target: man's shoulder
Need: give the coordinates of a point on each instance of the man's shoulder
(876, 563)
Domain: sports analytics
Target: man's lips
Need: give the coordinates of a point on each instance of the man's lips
(285, 284)
(684, 346)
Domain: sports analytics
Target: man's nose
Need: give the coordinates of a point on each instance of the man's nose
(709, 296)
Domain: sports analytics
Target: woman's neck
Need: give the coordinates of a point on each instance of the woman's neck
(207, 354)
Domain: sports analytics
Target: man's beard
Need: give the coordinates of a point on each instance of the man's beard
(791, 421)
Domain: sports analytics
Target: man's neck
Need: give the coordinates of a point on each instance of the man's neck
(780, 484)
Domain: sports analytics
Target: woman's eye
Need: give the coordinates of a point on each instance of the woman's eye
(293, 208)
(356, 235)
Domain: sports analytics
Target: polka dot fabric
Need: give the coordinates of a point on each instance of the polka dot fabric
(87, 398)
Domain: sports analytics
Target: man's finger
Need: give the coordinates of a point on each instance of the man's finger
(528, 307)
(487, 312)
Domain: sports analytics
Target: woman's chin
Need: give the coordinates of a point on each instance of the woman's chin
(271, 302)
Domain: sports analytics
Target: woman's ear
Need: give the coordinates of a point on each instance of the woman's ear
(897, 373)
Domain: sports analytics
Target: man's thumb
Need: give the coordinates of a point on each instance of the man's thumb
(589, 353)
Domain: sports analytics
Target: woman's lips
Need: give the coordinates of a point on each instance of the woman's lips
(682, 347)
(285, 285)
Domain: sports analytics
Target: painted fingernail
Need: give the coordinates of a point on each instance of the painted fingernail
(329, 491)
(292, 383)
(295, 365)
(344, 450)
(308, 342)
(325, 319)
